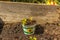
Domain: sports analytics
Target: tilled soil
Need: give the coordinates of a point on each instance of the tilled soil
(13, 31)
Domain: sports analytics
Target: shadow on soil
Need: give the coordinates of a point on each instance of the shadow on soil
(39, 29)
(1, 25)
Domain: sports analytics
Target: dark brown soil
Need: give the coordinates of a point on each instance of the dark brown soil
(13, 31)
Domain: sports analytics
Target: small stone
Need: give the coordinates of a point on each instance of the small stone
(46, 31)
(55, 38)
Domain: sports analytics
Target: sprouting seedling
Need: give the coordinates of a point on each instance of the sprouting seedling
(32, 38)
(24, 21)
(27, 21)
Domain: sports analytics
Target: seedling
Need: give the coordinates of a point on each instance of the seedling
(28, 21)
(32, 38)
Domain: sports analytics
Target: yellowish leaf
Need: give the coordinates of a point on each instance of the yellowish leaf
(35, 38)
(31, 18)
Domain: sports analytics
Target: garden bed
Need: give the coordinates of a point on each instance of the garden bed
(47, 17)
